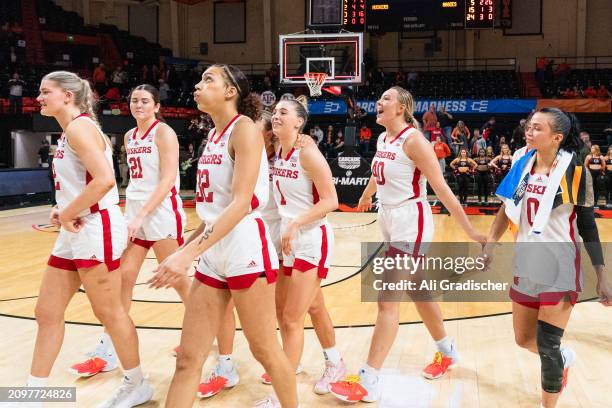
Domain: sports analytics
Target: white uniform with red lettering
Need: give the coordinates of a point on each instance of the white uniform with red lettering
(404, 214)
(546, 266)
(295, 193)
(270, 212)
(246, 253)
(168, 219)
(103, 235)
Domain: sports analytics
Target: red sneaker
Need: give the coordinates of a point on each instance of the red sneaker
(90, 367)
(438, 367)
(176, 350)
(265, 379)
(350, 390)
(212, 386)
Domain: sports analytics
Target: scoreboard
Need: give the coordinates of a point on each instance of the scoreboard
(424, 15)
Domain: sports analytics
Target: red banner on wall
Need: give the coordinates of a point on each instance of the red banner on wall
(576, 105)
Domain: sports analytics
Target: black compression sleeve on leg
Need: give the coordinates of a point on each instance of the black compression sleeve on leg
(587, 228)
(549, 349)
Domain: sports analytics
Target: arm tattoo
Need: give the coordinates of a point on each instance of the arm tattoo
(205, 236)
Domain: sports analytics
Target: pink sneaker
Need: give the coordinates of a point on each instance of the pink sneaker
(333, 373)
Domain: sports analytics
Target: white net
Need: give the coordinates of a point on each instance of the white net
(315, 81)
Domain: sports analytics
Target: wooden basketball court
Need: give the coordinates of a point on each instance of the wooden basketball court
(493, 371)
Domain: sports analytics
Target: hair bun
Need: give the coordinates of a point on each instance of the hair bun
(303, 100)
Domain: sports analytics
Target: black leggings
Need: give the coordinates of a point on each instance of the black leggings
(609, 187)
(595, 174)
(482, 180)
(463, 181)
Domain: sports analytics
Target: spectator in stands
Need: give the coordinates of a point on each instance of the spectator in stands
(608, 134)
(518, 136)
(502, 141)
(43, 153)
(16, 86)
(590, 91)
(489, 132)
(478, 143)
(460, 137)
(118, 77)
(154, 73)
(413, 77)
(327, 145)
(436, 132)
(338, 147)
(365, 134)
(190, 165)
(318, 134)
(603, 93)
(164, 89)
(586, 148)
(123, 167)
(400, 79)
(429, 121)
(541, 64)
(113, 95)
(99, 79)
(446, 123)
(562, 72)
(442, 152)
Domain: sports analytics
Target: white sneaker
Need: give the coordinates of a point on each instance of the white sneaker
(333, 373)
(270, 402)
(128, 396)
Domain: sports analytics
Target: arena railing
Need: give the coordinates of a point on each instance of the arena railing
(586, 62)
(459, 64)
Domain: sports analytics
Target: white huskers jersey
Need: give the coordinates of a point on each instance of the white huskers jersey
(71, 176)
(215, 174)
(294, 190)
(144, 163)
(398, 179)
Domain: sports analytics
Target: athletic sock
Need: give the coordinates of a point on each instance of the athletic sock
(37, 381)
(133, 376)
(226, 363)
(332, 355)
(446, 347)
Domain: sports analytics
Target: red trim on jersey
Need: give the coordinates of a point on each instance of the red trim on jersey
(416, 186)
(324, 248)
(399, 134)
(254, 202)
(94, 208)
(90, 263)
(61, 263)
(143, 243)
(287, 270)
(544, 299)
(224, 129)
(210, 281)
(107, 236)
(315, 194)
(419, 237)
(572, 217)
(177, 216)
(304, 266)
(236, 282)
(145, 133)
(265, 253)
(280, 153)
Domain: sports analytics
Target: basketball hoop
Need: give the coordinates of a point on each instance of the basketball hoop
(315, 81)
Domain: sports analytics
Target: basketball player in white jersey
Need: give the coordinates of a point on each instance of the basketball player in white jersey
(543, 294)
(225, 374)
(304, 194)
(153, 210)
(403, 164)
(237, 261)
(91, 240)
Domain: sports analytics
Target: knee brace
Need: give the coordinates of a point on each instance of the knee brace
(549, 348)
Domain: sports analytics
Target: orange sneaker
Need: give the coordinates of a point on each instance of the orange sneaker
(352, 390)
(265, 378)
(438, 367)
(91, 367)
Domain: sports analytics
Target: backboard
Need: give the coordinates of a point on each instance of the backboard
(339, 55)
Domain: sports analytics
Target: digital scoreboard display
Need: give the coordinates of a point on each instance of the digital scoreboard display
(479, 14)
(354, 15)
(425, 15)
